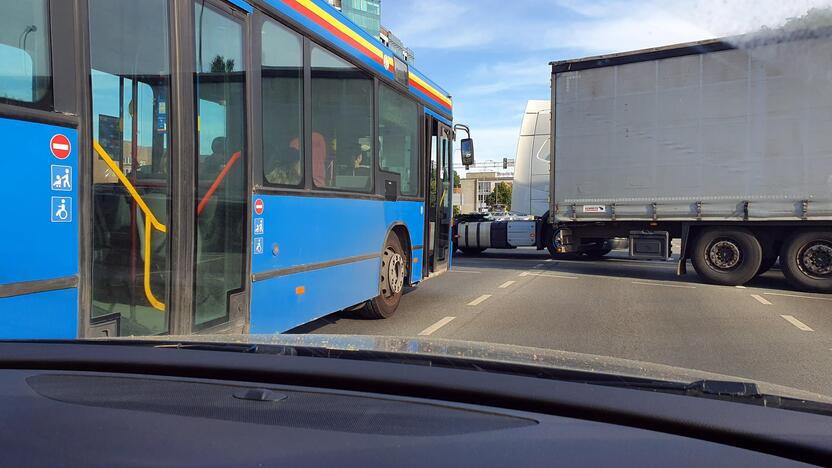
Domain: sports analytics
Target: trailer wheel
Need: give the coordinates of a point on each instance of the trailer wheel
(391, 282)
(551, 246)
(730, 257)
(806, 259)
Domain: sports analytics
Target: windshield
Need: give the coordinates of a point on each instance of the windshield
(649, 190)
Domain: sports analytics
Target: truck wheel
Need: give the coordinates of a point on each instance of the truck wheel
(729, 257)
(550, 237)
(806, 259)
(391, 282)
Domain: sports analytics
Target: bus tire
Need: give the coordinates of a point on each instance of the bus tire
(806, 259)
(392, 276)
(730, 257)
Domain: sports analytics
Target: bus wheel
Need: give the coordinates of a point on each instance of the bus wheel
(731, 257)
(806, 260)
(391, 281)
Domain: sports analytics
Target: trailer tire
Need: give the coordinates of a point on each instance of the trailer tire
(392, 276)
(730, 257)
(552, 248)
(806, 259)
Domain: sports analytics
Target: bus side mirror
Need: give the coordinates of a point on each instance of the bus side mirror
(467, 150)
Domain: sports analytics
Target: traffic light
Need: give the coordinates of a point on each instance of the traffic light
(505, 163)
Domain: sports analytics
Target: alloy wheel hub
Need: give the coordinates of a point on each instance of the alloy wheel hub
(817, 259)
(724, 255)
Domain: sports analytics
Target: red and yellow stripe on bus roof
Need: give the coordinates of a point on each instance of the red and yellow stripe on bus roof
(321, 15)
(430, 91)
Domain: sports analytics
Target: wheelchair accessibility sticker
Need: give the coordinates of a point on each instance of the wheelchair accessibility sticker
(61, 209)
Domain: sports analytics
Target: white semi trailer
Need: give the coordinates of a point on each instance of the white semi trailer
(724, 144)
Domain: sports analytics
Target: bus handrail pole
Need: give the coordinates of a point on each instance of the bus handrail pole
(150, 221)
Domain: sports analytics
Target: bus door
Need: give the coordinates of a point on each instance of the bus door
(160, 266)
(439, 196)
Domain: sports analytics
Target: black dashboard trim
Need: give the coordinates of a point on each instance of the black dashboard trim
(798, 436)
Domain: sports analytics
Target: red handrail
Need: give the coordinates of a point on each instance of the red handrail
(217, 182)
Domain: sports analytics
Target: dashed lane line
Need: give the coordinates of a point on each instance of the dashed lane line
(507, 284)
(547, 275)
(479, 300)
(797, 323)
(761, 299)
(740, 287)
(436, 326)
(799, 296)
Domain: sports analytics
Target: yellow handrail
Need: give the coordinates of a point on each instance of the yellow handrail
(150, 221)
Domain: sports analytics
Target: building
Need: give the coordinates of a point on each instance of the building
(364, 13)
(367, 15)
(397, 46)
(476, 186)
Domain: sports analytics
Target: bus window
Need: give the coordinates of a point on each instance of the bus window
(282, 105)
(221, 188)
(342, 122)
(25, 61)
(130, 81)
(398, 137)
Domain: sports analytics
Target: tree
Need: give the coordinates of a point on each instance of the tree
(813, 19)
(457, 180)
(500, 196)
(221, 65)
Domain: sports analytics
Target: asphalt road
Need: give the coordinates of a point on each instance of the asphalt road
(619, 307)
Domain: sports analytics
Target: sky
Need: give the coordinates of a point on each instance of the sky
(492, 56)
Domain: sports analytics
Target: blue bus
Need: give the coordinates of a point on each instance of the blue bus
(211, 166)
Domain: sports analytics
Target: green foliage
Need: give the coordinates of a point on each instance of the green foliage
(457, 180)
(221, 65)
(500, 196)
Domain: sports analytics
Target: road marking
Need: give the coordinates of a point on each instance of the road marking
(436, 326)
(798, 296)
(685, 286)
(506, 284)
(539, 265)
(740, 287)
(761, 299)
(479, 300)
(797, 323)
(547, 275)
(466, 271)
